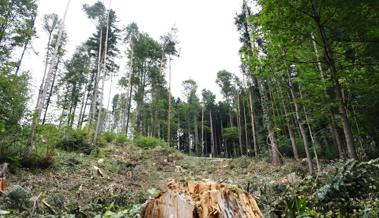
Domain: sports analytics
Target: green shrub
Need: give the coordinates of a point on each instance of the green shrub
(76, 141)
(109, 136)
(148, 142)
(121, 139)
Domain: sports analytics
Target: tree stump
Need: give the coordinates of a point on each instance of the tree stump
(3, 185)
(202, 200)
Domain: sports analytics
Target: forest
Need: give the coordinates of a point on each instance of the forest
(304, 103)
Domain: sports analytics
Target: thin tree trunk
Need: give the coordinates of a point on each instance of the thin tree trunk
(97, 80)
(196, 138)
(301, 126)
(99, 118)
(212, 135)
(50, 92)
(40, 104)
(253, 124)
(311, 134)
(328, 52)
(82, 109)
(202, 131)
(239, 125)
(276, 159)
(169, 103)
(290, 131)
(245, 126)
(334, 133)
(129, 97)
(24, 50)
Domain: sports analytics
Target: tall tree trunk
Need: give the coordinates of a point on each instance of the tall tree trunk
(212, 135)
(169, 103)
(82, 110)
(253, 124)
(24, 49)
(311, 134)
(129, 97)
(196, 137)
(50, 92)
(202, 131)
(290, 130)
(222, 141)
(301, 126)
(328, 53)
(104, 68)
(333, 128)
(40, 103)
(245, 127)
(239, 125)
(276, 159)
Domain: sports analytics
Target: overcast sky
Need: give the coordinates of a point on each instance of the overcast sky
(209, 40)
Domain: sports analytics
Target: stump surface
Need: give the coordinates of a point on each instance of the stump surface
(202, 200)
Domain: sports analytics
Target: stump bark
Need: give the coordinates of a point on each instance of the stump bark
(3, 185)
(202, 200)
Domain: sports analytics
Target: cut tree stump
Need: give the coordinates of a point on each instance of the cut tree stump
(202, 200)
(3, 185)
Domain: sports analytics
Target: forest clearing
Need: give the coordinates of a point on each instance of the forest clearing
(220, 109)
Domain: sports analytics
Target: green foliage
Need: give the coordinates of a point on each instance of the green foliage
(148, 142)
(353, 183)
(19, 198)
(76, 141)
(109, 136)
(352, 192)
(231, 134)
(121, 139)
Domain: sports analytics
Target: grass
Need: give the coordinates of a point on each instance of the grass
(130, 172)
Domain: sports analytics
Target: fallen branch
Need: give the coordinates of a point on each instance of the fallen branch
(49, 206)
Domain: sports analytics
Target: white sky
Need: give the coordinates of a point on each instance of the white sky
(208, 38)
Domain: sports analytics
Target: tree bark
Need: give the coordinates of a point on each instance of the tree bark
(40, 103)
(202, 200)
(239, 125)
(202, 131)
(169, 103)
(253, 124)
(276, 159)
(328, 53)
(301, 126)
(212, 135)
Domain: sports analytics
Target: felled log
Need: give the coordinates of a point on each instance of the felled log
(202, 200)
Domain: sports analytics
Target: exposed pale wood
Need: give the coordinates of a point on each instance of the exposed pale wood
(202, 200)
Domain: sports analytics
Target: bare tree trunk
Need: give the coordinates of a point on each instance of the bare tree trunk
(50, 92)
(333, 128)
(99, 118)
(253, 124)
(196, 138)
(301, 126)
(24, 50)
(328, 52)
(311, 134)
(290, 131)
(239, 125)
(276, 159)
(212, 135)
(245, 126)
(169, 103)
(202, 131)
(125, 125)
(40, 102)
(82, 110)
